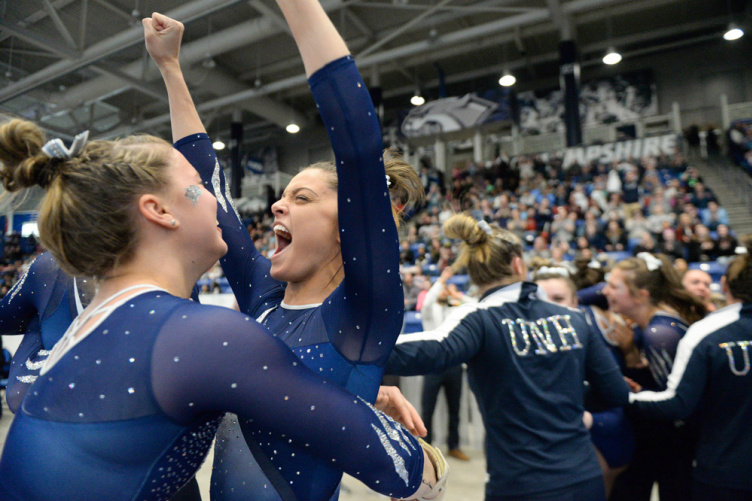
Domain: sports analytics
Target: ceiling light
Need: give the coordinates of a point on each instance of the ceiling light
(611, 57)
(417, 99)
(293, 128)
(218, 145)
(507, 79)
(733, 33)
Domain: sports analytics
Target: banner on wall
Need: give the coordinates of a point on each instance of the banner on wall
(623, 150)
(447, 115)
(622, 98)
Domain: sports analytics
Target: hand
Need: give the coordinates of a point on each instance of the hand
(587, 419)
(163, 36)
(393, 403)
(621, 333)
(446, 274)
(633, 386)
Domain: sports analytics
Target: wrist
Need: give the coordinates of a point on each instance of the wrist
(169, 66)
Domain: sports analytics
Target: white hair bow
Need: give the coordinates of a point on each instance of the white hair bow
(55, 148)
(483, 225)
(596, 265)
(651, 261)
(553, 270)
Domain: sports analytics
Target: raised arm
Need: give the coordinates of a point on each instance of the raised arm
(318, 41)
(257, 377)
(163, 36)
(246, 269)
(364, 314)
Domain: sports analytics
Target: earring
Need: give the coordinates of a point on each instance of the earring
(173, 222)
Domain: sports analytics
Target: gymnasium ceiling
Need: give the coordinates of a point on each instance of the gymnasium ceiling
(81, 64)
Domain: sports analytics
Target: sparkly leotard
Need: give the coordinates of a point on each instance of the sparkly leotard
(348, 337)
(40, 306)
(129, 411)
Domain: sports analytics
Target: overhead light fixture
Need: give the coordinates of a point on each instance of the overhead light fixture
(612, 56)
(417, 99)
(293, 128)
(218, 145)
(733, 32)
(507, 79)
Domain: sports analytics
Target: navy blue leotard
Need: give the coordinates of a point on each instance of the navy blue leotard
(349, 336)
(40, 306)
(130, 410)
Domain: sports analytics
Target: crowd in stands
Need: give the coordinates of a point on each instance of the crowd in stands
(17, 253)
(740, 144)
(595, 212)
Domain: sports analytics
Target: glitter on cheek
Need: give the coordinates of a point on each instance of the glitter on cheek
(192, 193)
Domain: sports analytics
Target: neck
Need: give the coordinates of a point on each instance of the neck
(499, 283)
(315, 289)
(166, 274)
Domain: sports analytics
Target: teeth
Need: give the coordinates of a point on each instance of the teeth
(279, 229)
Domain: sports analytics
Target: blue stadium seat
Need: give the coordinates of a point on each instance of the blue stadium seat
(412, 323)
(5, 369)
(712, 268)
(461, 281)
(618, 255)
(631, 244)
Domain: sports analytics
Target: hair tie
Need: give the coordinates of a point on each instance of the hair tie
(741, 250)
(55, 148)
(553, 270)
(483, 225)
(596, 265)
(652, 262)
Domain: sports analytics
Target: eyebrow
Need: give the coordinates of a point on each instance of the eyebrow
(298, 190)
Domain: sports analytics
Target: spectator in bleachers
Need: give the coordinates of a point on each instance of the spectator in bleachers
(697, 282)
(659, 218)
(616, 238)
(701, 247)
(631, 192)
(669, 245)
(714, 215)
(646, 244)
(701, 196)
(407, 256)
(637, 225)
(726, 243)
(411, 290)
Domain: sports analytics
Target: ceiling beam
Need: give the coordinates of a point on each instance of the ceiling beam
(98, 51)
(52, 46)
(61, 28)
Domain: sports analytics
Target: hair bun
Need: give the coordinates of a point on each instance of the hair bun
(23, 162)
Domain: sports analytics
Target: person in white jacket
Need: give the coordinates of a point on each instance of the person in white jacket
(439, 298)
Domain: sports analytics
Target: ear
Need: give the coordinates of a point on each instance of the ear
(153, 209)
(519, 267)
(725, 288)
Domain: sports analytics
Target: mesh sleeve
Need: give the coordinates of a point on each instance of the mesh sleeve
(364, 314)
(246, 269)
(210, 359)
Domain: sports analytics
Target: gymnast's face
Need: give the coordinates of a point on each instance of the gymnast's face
(306, 227)
(619, 296)
(559, 292)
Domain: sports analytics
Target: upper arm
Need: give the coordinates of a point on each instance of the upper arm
(458, 339)
(685, 386)
(602, 371)
(246, 269)
(368, 306)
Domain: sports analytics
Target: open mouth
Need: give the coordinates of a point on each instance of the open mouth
(284, 238)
